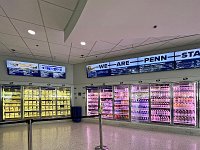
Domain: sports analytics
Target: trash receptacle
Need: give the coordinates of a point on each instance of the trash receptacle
(76, 113)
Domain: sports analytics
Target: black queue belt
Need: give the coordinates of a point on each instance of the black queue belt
(30, 121)
(44, 119)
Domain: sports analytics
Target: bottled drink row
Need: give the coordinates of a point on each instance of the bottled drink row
(92, 101)
(139, 103)
(185, 103)
(106, 97)
(146, 102)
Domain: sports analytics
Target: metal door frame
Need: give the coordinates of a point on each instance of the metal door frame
(1, 104)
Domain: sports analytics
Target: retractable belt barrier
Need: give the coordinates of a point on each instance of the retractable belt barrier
(30, 121)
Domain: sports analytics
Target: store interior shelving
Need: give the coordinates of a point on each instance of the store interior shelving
(184, 103)
(92, 100)
(31, 102)
(140, 102)
(63, 101)
(106, 97)
(22, 102)
(160, 103)
(11, 96)
(48, 102)
(121, 102)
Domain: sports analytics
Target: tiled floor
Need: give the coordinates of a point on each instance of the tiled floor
(84, 136)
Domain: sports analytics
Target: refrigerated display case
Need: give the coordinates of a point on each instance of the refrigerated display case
(63, 101)
(31, 102)
(160, 103)
(92, 100)
(184, 103)
(140, 102)
(11, 97)
(48, 102)
(106, 97)
(121, 102)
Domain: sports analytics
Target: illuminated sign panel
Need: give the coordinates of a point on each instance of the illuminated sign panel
(187, 59)
(162, 62)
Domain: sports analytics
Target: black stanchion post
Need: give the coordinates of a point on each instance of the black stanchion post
(100, 131)
(101, 147)
(29, 122)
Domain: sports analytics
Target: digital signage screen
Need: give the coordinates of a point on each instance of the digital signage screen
(187, 59)
(123, 67)
(98, 70)
(52, 71)
(155, 63)
(22, 68)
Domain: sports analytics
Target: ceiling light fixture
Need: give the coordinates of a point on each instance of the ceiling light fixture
(83, 43)
(31, 32)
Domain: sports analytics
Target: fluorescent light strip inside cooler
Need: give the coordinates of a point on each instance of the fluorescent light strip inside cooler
(106, 96)
(63, 102)
(31, 100)
(140, 103)
(121, 102)
(48, 102)
(160, 103)
(92, 100)
(11, 102)
(185, 103)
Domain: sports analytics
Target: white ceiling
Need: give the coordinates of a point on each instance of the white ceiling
(109, 27)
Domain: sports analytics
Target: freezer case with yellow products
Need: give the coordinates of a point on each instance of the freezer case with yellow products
(63, 101)
(31, 101)
(11, 97)
(48, 102)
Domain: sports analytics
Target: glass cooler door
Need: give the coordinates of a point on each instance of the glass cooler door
(11, 96)
(140, 103)
(48, 102)
(31, 101)
(92, 100)
(63, 101)
(160, 103)
(184, 103)
(106, 96)
(121, 102)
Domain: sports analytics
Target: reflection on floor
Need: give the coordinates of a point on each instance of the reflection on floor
(84, 136)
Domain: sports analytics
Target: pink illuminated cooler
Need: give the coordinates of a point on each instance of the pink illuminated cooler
(92, 100)
(106, 97)
(160, 103)
(121, 102)
(140, 102)
(184, 103)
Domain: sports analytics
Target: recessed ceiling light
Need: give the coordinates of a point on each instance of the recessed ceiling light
(31, 32)
(83, 43)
